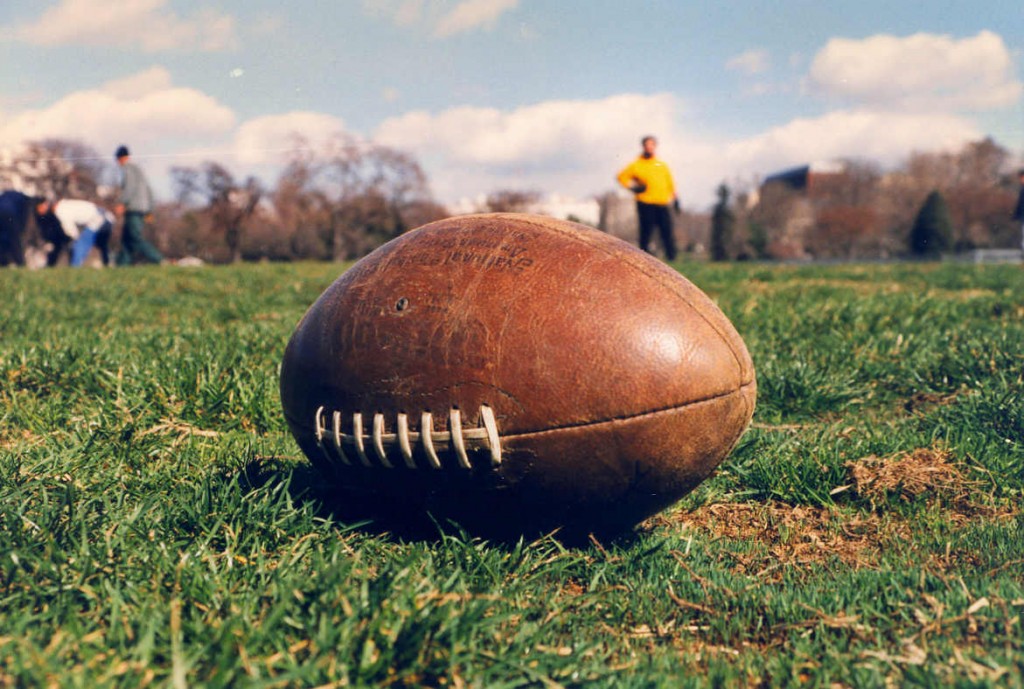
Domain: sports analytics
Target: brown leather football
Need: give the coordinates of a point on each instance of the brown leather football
(516, 373)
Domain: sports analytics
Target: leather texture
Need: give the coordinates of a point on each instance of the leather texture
(616, 385)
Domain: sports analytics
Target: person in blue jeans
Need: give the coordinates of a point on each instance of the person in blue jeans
(84, 223)
(135, 205)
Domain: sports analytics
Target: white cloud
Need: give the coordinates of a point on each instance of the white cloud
(401, 12)
(750, 62)
(142, 83)
(264, 25)
(269, 140)
(142, 109)
(550, 134)
(885, 137)
(919, 72)
(570, 147)
(144, 24)
(472, 14)
(576, 147)
(408, 12)
(432, 18)
(761, 89)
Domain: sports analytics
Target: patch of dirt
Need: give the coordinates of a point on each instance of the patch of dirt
(928, 474)
(787, 536)
(924, 401)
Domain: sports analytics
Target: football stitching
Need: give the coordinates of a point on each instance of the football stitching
(460, 439)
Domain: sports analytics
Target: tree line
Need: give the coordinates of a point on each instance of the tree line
(348, 197)
(934, 203)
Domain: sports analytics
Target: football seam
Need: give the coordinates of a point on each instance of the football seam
(628, 417)
(588, 424)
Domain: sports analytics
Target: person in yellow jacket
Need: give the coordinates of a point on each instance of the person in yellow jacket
(649, 178)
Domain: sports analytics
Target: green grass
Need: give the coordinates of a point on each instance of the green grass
(158, 526)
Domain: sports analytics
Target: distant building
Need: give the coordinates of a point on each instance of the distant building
(787, 203)
(804, 177)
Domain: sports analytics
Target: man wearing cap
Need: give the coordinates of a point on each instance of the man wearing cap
(136, 203)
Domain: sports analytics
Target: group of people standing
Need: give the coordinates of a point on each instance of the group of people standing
(82, 224)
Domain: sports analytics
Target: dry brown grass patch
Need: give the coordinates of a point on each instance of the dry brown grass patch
(928, 474)
(793, 536)
(921, 402)
(801, 536)
(10, 439)
(908, 476)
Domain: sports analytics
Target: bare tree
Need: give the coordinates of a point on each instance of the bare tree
(352, 197)
(845, 231)
(227, 203)
(846, 220)
(301, 210)
(54, 167)
(974, 184)
(511, 201)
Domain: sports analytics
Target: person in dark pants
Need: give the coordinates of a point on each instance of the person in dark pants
(1018, 213)
(15, 208)
(53, 234)
(136, 203)
(649, 178)
(83, 222)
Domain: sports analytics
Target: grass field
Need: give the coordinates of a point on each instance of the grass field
(158, 526)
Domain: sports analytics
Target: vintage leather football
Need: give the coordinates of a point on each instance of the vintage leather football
(516, 373)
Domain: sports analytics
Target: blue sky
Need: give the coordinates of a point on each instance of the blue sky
(550, 95)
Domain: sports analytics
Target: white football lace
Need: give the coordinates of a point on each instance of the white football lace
(458, 438)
